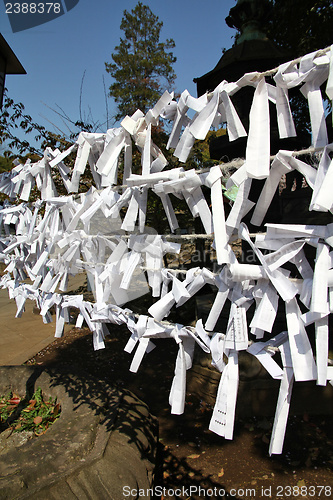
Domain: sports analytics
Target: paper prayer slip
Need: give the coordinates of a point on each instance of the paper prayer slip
(56, 238)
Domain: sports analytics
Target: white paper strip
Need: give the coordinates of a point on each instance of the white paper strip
(283, 404)
(222, 421)
(301, 353)
(258, 143)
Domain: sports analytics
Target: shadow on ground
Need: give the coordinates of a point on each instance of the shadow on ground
(189, 454)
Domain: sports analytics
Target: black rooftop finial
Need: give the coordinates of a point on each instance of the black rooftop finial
(249, 16)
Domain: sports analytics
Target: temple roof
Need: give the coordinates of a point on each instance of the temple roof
(250, 55)
(13, 65)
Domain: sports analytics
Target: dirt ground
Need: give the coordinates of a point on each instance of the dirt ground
(192, 461)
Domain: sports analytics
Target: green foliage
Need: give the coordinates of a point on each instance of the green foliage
(14, 119)
(6, 164)
(301, 26)
(199, 156)
(35, 415)
(298, 28)
(140, 62)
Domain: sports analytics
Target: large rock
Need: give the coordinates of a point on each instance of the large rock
(104, 441)
(257, 391)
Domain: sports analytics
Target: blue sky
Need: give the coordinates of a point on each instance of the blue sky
(56, 54)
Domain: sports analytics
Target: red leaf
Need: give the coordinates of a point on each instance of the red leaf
(14, 400)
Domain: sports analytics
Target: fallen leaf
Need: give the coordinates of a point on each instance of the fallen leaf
(38, 420)
(56, 409)
(221, 473)
(14, 400)
(301, 483)
(193, 456)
